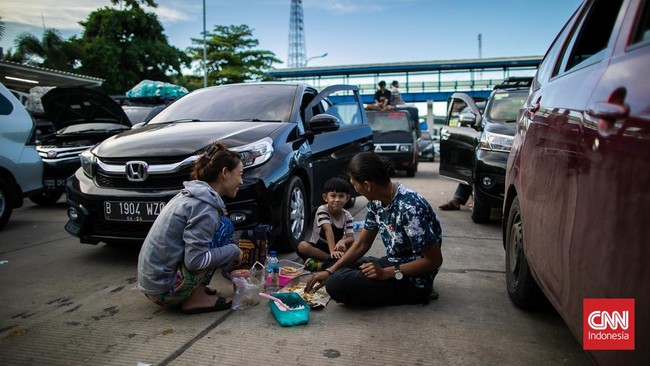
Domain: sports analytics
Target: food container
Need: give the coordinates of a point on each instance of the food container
(291, 317)
(286, 278)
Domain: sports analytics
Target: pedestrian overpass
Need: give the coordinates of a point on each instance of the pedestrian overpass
(421, 81)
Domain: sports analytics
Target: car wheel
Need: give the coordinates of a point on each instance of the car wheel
(522, 288)
(480, 213)
(46, 198)
(350, 203)
(5, 206)
(294, 212)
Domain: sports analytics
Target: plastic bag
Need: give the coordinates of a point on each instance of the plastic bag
(248, 288)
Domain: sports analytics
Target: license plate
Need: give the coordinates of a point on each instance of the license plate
(141, 211)
(53, 183)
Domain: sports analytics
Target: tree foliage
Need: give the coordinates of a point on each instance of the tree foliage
(135, 3)
(230, 55)
(126, 46)
(51, 51)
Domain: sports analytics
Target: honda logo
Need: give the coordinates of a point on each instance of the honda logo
(136, 171)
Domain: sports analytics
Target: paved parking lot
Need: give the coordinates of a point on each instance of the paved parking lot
(65, 303)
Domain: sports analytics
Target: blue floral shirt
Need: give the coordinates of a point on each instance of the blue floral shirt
(407, 226)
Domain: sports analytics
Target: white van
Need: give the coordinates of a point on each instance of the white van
(21, 169)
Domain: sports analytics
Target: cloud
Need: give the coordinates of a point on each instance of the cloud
(65, 15)
(354, 7)
(168, 15)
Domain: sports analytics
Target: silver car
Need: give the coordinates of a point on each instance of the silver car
(21, 169)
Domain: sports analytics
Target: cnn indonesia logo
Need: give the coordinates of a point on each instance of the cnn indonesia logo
(608, 324)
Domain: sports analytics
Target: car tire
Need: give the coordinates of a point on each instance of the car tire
(6, 207)
(480, 213)
(294, 214)
(522, 288)
(410, 172)
(46, 198)
(350, 203)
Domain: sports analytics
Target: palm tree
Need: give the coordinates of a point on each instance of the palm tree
(2, 28)
(51, 52)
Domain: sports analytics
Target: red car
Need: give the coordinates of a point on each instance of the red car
(577, 198)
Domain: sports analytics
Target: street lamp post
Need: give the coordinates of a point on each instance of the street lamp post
(205, 61)
(313, 57)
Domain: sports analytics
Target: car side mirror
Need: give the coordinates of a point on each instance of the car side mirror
(467, 119)
(324, 123)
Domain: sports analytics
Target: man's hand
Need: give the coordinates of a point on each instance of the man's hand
(374, 271)
(316, 281)
(337, 254)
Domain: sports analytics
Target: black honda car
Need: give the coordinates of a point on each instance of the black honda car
(291, 139)
(475, 143)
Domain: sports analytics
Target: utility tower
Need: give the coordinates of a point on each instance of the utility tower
(297, 48)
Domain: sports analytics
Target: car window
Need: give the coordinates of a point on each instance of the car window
(642, 32)
(347, 113)
(233, 103)
(548, 63)
(389, 121)
(5, 106)
(504, 107)
(591, 37)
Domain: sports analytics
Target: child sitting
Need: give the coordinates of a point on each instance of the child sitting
(332, 232)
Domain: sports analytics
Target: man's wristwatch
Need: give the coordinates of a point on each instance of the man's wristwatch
(398, 273)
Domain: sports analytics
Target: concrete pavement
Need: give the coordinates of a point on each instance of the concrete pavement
(65, 303)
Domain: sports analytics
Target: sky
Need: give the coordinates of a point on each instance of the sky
(350, 32)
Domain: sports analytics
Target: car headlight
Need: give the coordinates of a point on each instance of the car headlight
(87, 162)
(404, 148)
(255, 153)
(496, 142)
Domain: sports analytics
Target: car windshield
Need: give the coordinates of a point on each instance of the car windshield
(240, 102)
(504, 107)
(386, 122)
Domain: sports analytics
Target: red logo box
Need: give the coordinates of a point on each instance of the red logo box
(608, 324)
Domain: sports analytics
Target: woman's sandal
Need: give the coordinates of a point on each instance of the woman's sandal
(220, 305)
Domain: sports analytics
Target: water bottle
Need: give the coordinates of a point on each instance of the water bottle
(357, 225)
(272, 273)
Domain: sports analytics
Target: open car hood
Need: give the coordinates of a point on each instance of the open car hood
(66, 106)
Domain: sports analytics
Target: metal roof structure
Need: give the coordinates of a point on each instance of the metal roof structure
(20, 77)
(409, 67)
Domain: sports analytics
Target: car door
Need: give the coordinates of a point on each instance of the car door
(555, 202)
(614, 177)
(333, 150)
(458, 138)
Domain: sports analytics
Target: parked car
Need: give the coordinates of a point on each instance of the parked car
(142, 109)
(577, 198)
(291, 139)
(427, 150)
(396, 134)
(475, 145)
(21, 169)
(74, 119)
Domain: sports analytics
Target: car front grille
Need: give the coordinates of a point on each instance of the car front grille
(168, 181)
